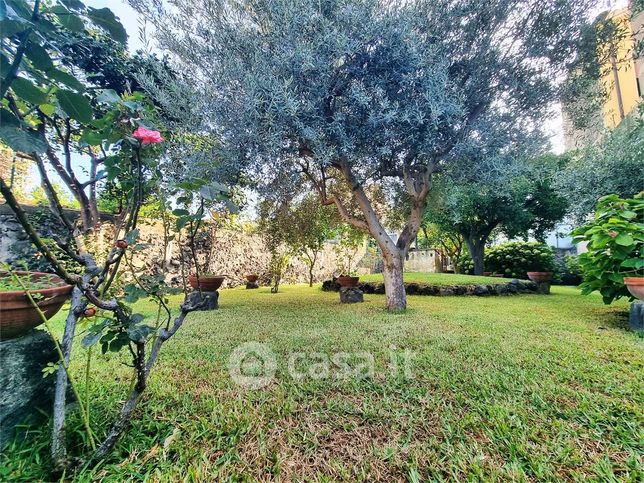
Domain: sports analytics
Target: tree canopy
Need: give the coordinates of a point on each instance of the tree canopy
(362, 91)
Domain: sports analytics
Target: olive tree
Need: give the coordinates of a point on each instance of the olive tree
(515, 199)
(359, 92)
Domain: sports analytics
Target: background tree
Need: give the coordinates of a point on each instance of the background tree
(612, 166)
(363, 92)
(311, 225)
(514, 202)
(443, 237)
(274, 223)
(349, 242)
(607, 46)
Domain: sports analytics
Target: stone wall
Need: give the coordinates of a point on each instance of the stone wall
(423, 261)
(235, 251)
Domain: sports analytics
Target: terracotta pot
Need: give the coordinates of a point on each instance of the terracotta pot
(635, 286)
(252, 278)
(540, 276)
(346, 281)
(207, 283)
(18, 316)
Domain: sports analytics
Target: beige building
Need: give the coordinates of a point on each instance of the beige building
(622, 78)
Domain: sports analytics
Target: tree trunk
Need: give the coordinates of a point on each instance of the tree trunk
(477, 251)
(58, 447)
(396, 297)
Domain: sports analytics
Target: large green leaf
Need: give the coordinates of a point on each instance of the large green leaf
(20, 140)
(109, 96)
(624, 239)
(47, 109)
(20, 8)
(104, 18)
(26, 90)
(8, 119)
(65, 78)
(71, 22)
(91, 137)
(67, 19)
(10, 27)
(39, 57)
(75, 105)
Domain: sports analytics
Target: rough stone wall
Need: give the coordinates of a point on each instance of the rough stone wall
(234, 252)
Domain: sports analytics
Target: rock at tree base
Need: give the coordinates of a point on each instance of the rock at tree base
(351, 295)
(25, 392)
(636, 316)
(252, 285)
(210, 300)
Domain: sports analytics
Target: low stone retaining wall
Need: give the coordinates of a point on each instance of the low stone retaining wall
(509, 288)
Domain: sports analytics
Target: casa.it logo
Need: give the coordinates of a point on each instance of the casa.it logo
(252, 365)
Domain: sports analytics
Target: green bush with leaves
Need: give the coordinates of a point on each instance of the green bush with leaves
(567, 271)
(614, 243)
(515, 259)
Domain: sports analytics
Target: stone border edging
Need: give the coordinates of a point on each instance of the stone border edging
(512, 287)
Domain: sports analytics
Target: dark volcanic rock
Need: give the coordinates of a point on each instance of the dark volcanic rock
(210, 300)
(351, 295)
(481, 290)
(25, 392)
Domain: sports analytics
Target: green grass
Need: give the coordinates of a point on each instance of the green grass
(503, 388)
(438, 278)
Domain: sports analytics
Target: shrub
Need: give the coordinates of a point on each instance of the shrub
(568, 271)
(515, 259)
(615, 238)
(465, 264)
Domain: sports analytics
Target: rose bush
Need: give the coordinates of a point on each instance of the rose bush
(147, 136)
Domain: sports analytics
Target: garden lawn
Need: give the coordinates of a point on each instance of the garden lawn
(438, 278)
(509, 388)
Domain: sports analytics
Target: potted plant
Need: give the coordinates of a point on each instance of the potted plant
(208, 282)
(252, 278)
(347, 249)
(540, 276)
(348, 280)
(200, 241)
(635, 286)
(18, 315)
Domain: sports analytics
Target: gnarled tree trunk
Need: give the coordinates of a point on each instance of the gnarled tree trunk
(395, 294)
(417, 183)
(476, 247)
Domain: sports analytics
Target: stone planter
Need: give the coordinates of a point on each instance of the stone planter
(252, 278)
(18, 316)
(207, 283)
(542, 279)
(635, 286)
(540, 276)
(346, 281)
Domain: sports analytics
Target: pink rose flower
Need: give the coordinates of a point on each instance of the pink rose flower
(147, 136)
